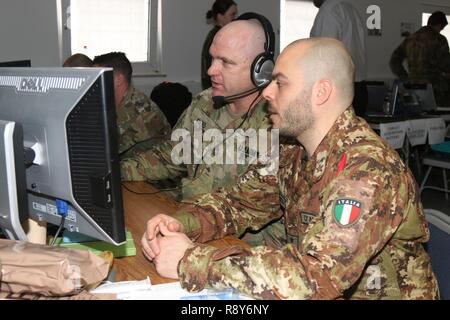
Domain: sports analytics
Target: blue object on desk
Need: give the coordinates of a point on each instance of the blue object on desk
(441, 147)
(71, 237)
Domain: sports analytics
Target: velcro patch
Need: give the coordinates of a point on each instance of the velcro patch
(347, 211)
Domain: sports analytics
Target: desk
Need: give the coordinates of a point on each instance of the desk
(138, 210)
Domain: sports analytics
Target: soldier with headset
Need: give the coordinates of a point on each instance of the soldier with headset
(242, 63)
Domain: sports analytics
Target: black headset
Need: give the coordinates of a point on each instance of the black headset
(262, 66)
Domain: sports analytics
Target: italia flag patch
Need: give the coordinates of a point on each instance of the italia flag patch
(347, 211)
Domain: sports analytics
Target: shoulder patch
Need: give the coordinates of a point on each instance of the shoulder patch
(346, 211)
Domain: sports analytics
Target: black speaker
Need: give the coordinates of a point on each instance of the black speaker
(262, 66)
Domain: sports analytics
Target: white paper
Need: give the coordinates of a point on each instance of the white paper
(394, 133)
(417, 131)
(144, 290)
(436, 130)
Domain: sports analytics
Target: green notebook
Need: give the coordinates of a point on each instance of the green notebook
(125, 250)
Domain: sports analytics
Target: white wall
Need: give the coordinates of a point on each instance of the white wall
(28, 29)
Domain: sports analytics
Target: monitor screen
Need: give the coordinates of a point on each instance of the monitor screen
(424, 93)
(377, 92)
(68, 122)
(16, 63)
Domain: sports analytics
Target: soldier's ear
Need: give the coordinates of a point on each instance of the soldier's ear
(119, 79)
(321, 91)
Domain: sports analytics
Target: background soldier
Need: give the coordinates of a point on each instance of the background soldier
(140, 122)
(428, 58)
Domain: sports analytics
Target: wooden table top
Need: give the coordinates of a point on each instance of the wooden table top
(139, 208)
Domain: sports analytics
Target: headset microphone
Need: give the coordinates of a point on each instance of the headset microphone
(220, 101)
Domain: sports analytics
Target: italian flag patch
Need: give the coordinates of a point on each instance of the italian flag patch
(347, 211)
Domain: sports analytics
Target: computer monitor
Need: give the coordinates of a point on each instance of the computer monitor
(424, 93)
(376, 92)
(16, 63)
(402, 101)
(68, 150)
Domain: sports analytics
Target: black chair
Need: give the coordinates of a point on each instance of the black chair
(172, 99)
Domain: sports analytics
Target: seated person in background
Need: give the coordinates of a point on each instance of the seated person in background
(78, 60)
(140, 122)
(428, 58)
(172, 99)
(355, 223)
(233, 50)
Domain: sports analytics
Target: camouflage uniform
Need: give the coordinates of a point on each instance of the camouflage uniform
(196, 179)
(428, 57)
(374, 252)
(140, 123)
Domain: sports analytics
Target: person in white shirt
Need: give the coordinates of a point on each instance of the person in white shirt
(340, 20)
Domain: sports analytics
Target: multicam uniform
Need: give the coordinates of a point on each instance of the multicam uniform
(157, 164)
(353, 215)
(428, 57)
(140, 122)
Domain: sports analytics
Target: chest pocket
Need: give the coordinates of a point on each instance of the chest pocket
(301, 213)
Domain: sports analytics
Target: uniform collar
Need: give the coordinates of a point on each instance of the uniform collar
(332, 143)
(127, 95)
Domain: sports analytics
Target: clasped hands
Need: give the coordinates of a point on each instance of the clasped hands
(165, 243)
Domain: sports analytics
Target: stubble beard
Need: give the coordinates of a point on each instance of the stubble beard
(297, 116)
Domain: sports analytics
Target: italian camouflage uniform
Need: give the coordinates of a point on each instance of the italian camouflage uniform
(196, 179)
(140, 123)
(428, 59)
(353, 215)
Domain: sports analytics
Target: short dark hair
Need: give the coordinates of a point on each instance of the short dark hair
(219, 6)
(116, 60)
(438, 18)
(78, 60)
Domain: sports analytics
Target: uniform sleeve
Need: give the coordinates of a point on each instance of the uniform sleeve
(154, 124)
(251, 204)
(396, 61)
(155, 163)
(148, 124)
(333, 253)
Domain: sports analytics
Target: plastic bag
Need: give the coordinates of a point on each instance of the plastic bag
(48, 271)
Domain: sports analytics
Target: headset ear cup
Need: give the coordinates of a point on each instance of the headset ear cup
(261, 72)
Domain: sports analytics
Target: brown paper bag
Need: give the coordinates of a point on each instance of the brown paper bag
(48, 271)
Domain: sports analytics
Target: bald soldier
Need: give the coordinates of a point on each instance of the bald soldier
(233, 50)
(353, 214)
